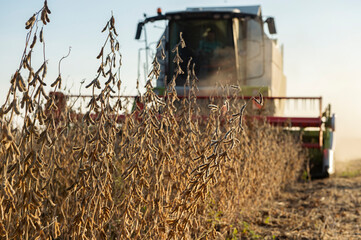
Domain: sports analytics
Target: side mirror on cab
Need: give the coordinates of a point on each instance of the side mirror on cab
(271, 25)
(139, 30)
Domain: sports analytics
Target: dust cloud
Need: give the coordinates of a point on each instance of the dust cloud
(348, 149)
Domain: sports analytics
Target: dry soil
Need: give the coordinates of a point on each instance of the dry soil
(320, 209)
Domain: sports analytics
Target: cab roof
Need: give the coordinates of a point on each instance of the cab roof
(254, 9)
(204, 13)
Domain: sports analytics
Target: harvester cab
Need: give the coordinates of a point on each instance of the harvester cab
(228, 46)
(231, 46)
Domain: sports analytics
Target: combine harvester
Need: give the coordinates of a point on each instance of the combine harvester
(229, 46)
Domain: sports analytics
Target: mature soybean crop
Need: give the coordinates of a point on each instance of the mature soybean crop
(161, 173)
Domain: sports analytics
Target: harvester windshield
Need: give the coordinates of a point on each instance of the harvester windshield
(210, 44)
(227, 47)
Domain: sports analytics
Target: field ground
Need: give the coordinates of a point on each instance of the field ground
(321, 209)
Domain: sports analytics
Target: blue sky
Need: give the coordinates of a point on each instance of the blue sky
(322, 45)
